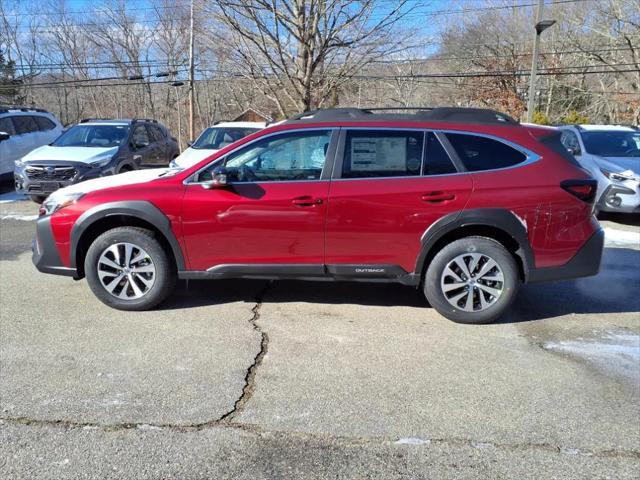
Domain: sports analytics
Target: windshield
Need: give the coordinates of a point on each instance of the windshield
(612, 144)
(101, 136)
(215, 138)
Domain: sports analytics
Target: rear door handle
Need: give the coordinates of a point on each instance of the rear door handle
(438, 197)
(306, 201)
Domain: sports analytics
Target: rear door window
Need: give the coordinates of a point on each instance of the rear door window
(25, 124)
(44, 123)
(479, 153)
(437, 161)
(156, 133)
(382, 153)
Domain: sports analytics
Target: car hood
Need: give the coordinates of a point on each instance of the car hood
(70, 154)
(619, 164)
(127, 178)
(191, 156)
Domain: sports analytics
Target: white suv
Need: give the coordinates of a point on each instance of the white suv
(611, 154)
(215, 138)
(22, 130)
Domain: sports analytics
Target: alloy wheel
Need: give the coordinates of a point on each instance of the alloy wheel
(472, 282)
(126, 271)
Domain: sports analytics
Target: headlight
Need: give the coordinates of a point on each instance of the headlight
(57, 201)
(103, 162)
(619, 176)
(18, 163)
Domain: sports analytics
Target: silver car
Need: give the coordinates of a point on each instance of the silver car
(611, 153)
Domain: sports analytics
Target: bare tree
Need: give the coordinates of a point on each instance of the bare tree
(300, 52)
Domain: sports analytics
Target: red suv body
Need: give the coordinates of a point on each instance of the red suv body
(465, 203)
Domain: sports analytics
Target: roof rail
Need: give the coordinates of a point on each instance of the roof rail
(144, 120)
(433, 114)
(20, 108)
(93, 119)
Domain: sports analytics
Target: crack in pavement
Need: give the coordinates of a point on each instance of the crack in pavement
(250, 377)
(259, 431)
(226, 420)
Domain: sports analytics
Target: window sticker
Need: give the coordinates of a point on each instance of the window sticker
(375, 154)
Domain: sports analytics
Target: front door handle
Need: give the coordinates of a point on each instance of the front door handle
(306, 201)
(438, 197)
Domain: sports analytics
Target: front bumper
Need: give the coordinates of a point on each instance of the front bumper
(45, 254)
(44, 182)
(585, 263)
(620, 198)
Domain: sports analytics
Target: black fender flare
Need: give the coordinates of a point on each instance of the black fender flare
(498, 218)
(133, 208)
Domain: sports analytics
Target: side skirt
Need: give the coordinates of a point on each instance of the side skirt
(309, 272)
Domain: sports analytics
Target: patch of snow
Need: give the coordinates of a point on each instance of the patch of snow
(12, 197)
(412, 441)
(25, 218)
(613, 352)
(621, 238)
(148, 427)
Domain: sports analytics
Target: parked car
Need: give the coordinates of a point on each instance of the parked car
(213, 139)
(23, 129)
(464, 204)
(94, 148)
(611, 153)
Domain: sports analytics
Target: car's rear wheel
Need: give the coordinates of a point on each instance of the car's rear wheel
(38, 198)
(128, 269)
(472, 280)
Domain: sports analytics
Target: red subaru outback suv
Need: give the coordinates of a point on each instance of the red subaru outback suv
(465, 204)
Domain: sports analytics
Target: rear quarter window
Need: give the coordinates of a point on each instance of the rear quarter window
(479, 153)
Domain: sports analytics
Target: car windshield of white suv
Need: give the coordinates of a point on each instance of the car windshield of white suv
(215, 138)
(100, 136)
(612, 144)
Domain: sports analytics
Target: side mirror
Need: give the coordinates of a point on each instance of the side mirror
(220, 179)
(574, 151)
(4, 136)
(140, 144)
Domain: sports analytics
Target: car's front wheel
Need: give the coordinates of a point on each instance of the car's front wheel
(472, 280)
(128, 269)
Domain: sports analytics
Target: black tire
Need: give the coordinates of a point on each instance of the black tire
(433, 289)
(165, 273)
(126, 168)
(38, 198)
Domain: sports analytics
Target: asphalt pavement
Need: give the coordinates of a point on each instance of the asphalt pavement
(300, 380)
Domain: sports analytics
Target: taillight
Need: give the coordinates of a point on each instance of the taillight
(585, 190)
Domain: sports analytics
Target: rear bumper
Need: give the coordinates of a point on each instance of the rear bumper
(585, 263)
(45, 255)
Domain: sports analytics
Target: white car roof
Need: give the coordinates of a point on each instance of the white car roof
(618, 128)
(240, 124)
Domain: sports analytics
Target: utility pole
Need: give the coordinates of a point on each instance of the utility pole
(191, 75)
(540, 26)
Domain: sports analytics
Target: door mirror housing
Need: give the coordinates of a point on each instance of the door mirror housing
(140, 144)
(4, 136)
(574, 151)
(220, 179)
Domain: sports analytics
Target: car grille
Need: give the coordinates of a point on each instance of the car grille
(50, 172)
